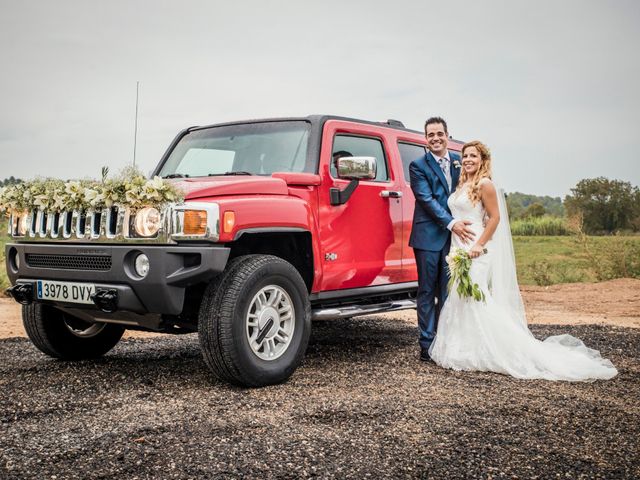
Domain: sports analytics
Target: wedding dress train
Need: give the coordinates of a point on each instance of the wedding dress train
(493, 335)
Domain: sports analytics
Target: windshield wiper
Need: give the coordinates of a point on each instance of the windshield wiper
(176, 175)
(229, 174)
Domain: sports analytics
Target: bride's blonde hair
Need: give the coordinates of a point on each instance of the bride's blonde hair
(484, 171)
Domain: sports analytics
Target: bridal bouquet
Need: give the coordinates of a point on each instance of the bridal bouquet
(459, 263)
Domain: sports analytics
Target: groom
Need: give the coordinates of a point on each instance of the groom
(433, 177)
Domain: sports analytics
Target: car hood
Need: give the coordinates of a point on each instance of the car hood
(194, 188)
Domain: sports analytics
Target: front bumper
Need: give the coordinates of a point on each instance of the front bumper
(162, 291)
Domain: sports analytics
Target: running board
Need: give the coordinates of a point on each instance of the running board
(355, 310)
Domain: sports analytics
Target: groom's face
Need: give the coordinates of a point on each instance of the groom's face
(436, 139)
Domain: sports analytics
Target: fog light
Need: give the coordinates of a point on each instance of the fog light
(17, 261)
(142, 265)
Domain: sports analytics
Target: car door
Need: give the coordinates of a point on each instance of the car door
(361, 240)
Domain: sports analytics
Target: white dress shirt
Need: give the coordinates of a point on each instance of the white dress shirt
(449, 179)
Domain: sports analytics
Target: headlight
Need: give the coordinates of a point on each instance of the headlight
(147, 222)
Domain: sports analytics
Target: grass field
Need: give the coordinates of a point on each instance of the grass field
(541, 260)
(563, 259)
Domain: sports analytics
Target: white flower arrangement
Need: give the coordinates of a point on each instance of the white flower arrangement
(130, 189)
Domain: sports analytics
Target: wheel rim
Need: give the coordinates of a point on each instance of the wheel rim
(80, 328)
(270, 322)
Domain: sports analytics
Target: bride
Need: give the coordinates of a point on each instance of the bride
(492, 334)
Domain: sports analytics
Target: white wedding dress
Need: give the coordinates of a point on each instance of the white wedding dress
(493, 335)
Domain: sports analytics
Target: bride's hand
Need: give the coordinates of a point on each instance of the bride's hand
(476, 251)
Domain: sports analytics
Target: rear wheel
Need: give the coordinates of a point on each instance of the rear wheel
(64, 336)
(255, 321)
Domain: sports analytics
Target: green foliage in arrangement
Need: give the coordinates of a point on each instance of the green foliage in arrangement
(130, 188)
(459, 263)
(545, 225)
(605, 206)
(520, 205)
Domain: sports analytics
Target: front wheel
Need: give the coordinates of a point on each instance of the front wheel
(255, 321)
(64, 336)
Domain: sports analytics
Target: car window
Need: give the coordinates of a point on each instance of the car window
(353, 146)
(257, 148)
(409, 152)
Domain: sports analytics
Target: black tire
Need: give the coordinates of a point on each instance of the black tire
(222, 322)
(52, 332)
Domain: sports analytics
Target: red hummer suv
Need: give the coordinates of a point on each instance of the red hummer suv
(284, 221)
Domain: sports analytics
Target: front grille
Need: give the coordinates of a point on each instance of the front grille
(69, 262)
(76, 225)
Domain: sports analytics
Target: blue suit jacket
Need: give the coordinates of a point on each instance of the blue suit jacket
(431, 215)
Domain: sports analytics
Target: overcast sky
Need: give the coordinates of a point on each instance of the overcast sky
(553, 87)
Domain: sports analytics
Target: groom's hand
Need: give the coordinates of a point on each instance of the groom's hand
(462, 230)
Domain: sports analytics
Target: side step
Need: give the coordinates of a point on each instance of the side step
(355, 310)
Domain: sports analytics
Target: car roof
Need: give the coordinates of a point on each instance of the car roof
(318, 119)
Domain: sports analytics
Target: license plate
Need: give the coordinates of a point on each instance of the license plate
(65, 291)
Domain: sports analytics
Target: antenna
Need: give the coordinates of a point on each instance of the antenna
(135, 131)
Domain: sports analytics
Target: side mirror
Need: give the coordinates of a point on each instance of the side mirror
(361, 168)
(354, 169)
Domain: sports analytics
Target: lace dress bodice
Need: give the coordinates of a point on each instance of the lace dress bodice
(461, 206)
(463, 209)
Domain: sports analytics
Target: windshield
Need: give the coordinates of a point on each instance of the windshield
(248, 149)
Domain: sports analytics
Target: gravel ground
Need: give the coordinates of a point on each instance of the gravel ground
(361, 406)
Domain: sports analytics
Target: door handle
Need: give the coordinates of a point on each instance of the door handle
(390, 194)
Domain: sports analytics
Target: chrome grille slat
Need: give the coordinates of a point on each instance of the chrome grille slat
(53, 225)
(41, 224)
(76, 224)
(66, 224)
(88, 225)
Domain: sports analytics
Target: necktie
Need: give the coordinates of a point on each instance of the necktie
(444, 165)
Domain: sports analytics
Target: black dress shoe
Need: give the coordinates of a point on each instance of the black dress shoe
(424, 355)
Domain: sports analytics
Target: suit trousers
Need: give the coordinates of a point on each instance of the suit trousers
(432, 290)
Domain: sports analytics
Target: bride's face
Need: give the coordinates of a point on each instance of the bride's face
(471, 160)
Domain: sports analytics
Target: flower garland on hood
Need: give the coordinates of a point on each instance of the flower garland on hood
(129, 189)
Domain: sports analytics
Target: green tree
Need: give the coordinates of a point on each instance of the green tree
(9, 181)
(604, 205)
(519, 202)
(534, 210)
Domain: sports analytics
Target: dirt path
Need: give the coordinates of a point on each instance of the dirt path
(616, 302)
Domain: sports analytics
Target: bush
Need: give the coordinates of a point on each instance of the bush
(620, 258)
(545, 225)
(541, 273)
(605, 205)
